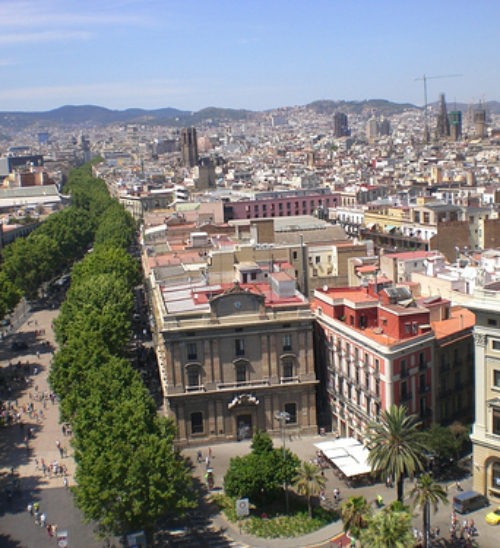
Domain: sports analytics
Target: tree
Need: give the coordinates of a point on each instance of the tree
(396, 445)
(309, 482)
(260, 474)
(388, 529)
(10, 295)
(261, 442)
(355, 514)
(427, 494)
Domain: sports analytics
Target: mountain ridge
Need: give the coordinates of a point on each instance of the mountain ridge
(83, 115)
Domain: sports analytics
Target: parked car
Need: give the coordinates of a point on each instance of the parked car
(19, 345)
(493, 518)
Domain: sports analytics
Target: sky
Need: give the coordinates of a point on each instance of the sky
(256, 54)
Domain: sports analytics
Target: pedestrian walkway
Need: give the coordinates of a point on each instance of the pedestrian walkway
(36, 452)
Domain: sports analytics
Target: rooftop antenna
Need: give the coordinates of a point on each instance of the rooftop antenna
(424, 79)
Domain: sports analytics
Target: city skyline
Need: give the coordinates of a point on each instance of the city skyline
(123, 53)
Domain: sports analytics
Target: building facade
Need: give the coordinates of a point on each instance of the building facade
(486, 431)
(378, 352)
(233, 356)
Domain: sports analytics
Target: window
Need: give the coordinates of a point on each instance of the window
(404, 390)
(241, 372)
(404, 371)
(492, 322)
(407, 328)
(288, 369)
(495, 345)
(295, 255)
(287, 343)
(495, 475)
(496, 378)
(377, 366)
(193, 376)
(191, 351)
(291, 409)
(496, 422)
(197, 423)
(239, 347)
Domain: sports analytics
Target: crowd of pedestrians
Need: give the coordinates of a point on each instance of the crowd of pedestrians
(40, 519)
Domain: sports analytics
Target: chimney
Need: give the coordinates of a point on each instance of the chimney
(461, 321)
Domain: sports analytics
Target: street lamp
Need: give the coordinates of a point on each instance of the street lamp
(283, 417)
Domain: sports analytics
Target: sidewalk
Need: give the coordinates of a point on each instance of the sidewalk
(50, 491)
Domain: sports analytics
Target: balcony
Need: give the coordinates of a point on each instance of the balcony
(288, 380)
(374, 395)
(196, 388)
(406, 397)
(423, 389)
(242, 384)
(404, 373)
(423, 365)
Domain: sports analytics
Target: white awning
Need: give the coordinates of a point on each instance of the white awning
(347, 454)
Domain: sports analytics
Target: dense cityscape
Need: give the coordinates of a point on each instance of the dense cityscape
(308, 277)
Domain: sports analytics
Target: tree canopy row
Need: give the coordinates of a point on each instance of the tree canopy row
(128, 472)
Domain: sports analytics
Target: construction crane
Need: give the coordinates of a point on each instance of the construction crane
(424, 79)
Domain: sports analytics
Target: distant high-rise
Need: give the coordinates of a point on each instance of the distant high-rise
(455, 118)
(340, 125)
(443, 123)
(372, 129)
(480, 122)
(385, 127)
(189, 147)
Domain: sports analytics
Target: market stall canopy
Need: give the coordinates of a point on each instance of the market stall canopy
(347, 454)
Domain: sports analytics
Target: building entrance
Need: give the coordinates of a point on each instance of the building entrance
(244, 427)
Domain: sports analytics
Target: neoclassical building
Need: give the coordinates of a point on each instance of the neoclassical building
(233, 356)
(486, 431)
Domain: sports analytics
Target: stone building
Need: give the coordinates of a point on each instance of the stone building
(486, 432)
(233, 356)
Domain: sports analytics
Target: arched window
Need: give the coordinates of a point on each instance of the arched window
(193, 376)
(495, 475)
(241, 372)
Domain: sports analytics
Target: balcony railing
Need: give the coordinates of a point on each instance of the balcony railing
(196, 388)
(406, 397)
(285, 380)
(404, 373)
(242, 384)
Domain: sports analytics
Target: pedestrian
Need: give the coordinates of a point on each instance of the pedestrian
(63, 429)
(65, 483)
(30, 508)
(49, 529)
(210, 453)
(199, 456)
(322, 494)
(207, 461)
(43, 518)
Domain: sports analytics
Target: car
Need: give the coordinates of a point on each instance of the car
(19, 345)
(493, 518)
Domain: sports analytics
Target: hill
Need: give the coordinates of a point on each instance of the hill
(380, 107)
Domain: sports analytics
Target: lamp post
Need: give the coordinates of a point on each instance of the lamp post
(283, 417)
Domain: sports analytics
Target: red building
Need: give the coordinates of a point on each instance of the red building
(378, 348)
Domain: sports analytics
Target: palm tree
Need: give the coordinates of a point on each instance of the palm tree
(388, 529)
(426, 494)
(309, 482)
(396, 445)
(355, 513)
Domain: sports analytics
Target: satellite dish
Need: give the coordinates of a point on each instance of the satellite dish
(325, 288)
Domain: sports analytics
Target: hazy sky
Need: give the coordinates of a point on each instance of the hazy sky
(258, 54)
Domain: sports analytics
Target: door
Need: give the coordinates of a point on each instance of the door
(244, 427)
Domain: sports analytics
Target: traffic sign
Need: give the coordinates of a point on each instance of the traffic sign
(242, 507)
